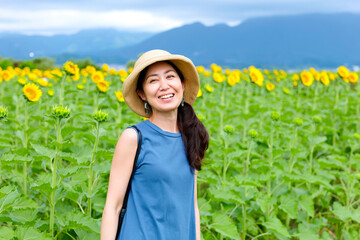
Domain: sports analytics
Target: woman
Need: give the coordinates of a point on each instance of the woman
(162, 202)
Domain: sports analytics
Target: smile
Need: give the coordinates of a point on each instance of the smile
(167, 96)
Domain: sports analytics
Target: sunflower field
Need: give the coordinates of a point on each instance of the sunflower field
(283, 160)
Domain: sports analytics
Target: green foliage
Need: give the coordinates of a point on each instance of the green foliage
(278, 166)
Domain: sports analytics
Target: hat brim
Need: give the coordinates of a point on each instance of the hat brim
(185, 65)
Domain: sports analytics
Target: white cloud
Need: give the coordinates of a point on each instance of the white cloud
(51, 22)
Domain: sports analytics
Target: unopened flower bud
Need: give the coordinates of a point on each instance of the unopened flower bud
(253, 133)
(3, 112)
(317, 119)
(275, 116)
(298, 122)
(229, 129)
(101, 116)
(61, 112)
(357, 136)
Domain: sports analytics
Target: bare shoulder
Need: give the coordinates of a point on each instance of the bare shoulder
(126, 145)
(129, 136)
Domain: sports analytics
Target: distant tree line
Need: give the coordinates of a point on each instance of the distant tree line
(42, 63)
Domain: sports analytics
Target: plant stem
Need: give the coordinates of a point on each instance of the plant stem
(96, 101)
(292, 163)
(271, 156)
(315, 96)
(90, 183)
(225, 166)
(53, 179)
(26, 147)
(62, 89)
(244, 221)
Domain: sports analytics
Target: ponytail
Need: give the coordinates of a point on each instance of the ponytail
(194, 134)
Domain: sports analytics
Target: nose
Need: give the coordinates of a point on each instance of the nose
(163, 84)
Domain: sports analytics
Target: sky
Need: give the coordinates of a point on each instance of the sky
(50, 17)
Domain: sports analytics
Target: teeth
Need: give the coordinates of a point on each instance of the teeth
(167, 96)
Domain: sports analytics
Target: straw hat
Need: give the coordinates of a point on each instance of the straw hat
(184, 64)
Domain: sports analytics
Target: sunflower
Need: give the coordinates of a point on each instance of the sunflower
(207, 73)
(103, 86)
(232, 80)
(32, 92)
(353, 77)
(200, 69)
(112, 71)
(97, 77)
(324, 78)
(257, 77)
(123, 74)
(43, 82)
(209, 88)
(119, 96)
(218, 77)
(50, 92)
(76, 76)
(105, 67)
(71, 68)
(199, 93)
(295, 77)
(6, 75)
(90, 69)
(80, 86)
(307, 78)
(269, 86)
(343, 72)
(22, 81)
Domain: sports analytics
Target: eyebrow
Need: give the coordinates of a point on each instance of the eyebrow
(154, 75)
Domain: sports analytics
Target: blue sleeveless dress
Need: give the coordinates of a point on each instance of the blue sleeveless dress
(161, 200)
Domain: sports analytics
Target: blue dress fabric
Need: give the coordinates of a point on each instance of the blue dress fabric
(161, 199)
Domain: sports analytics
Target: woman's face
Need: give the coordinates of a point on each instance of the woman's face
(162, 88)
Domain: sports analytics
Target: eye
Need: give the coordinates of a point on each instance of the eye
(152, 80)
(170, 76)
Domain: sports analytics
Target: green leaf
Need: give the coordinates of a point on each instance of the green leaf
(247, 181)
(318, 139)
(341, 212)
(264, 203)
(6, 233)
(307, 204)
(276, 225)
(226, 196)
(25, 203)
(102, 167)
(8, 195)
(331, 163)
(207, 176)
(85, 235)
(223, 224)
(69, 156)
(14, 158)
(44, 151)
(306, 233)
(76, 220)
(29, 233)
(70, 170)
(23, 216)
(289, 205)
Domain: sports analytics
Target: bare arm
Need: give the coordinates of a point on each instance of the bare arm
(197, 214)
(120, 173)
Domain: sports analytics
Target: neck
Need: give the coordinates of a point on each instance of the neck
(167, 122)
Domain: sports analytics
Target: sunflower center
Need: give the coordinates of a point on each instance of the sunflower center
(31, 93)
